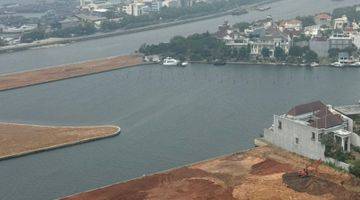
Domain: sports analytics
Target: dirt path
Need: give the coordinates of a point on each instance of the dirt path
(27, 78)
(254, 174)
(20, 139)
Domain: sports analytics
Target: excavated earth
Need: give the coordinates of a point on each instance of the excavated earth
(261, 173)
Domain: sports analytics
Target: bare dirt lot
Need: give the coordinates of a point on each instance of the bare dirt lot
(27, 78)
(17, 140)
(261, 173)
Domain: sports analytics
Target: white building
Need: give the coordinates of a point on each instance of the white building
(340, 41)
(341, 22)
(301, 129)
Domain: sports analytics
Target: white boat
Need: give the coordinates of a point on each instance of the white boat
(337, 64)
(170, 61)
(355, 64)
(314, 64)
(185, 63)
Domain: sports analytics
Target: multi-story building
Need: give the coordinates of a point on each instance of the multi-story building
(340, 41)
(301, 129)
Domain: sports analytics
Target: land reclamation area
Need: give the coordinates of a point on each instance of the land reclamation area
(27, 78)
(20, 139)
(261, 173)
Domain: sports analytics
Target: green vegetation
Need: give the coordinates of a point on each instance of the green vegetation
(197, 47)
(350, 12)
(334, 150)
(332, 165)
(265, 52)
(355, 168)
(307, 20)
(82, 29)
(279, 54)
(37, 34)
(241, 26)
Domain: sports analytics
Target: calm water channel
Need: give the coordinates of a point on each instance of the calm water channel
(169, 116)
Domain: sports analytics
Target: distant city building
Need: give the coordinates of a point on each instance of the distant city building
(69, 23)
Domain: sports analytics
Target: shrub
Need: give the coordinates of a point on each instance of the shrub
(355, 168)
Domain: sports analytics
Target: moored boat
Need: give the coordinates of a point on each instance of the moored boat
(170, 61)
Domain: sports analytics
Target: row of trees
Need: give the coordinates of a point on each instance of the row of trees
(207, 47)
(40, 33)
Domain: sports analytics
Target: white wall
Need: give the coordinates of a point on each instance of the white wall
(285, 138)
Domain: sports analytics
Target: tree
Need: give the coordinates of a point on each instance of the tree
(307, 20)
(241, 26)
(279, 54)
(37, 34)
(265, 52)
(311, 56)
(355, 168)
(296, 51)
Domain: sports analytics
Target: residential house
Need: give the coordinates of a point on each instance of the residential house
(341, 23)
(292, 24)
(312, 30)
(323, 19)
(301, 129)
(69, 23)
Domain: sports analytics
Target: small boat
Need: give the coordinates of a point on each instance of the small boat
(170, 62)
(314, 64)
(355, 64)
(184, 64)
(264, 8)
(337, 64)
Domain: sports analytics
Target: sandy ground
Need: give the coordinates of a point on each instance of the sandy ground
(261, 173)
(16, 139)
(27, 78)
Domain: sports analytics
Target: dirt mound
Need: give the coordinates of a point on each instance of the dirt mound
(317, 186)
(269, 166)
(190, 189)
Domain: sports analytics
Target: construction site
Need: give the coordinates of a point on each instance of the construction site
(261, 173)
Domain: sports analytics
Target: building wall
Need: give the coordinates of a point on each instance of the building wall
(286, 138)
(320, 47)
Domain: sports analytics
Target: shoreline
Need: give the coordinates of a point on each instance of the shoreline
(54, 41)
(47, 131)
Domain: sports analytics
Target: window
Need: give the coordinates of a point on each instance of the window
(320, 136)
(280, 125)
(297, 140)
(313, 136)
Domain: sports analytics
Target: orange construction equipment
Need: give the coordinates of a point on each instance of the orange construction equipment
(311, 168)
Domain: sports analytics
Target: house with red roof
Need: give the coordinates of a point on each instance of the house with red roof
(302, 128)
